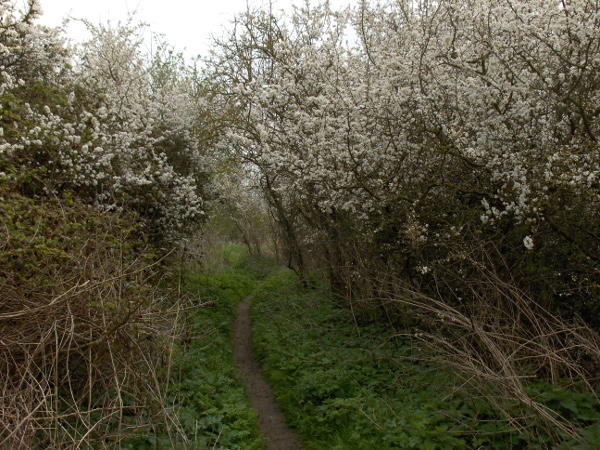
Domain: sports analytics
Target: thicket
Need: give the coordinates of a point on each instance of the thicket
(86, 333)
(102, 174)
(439, 159)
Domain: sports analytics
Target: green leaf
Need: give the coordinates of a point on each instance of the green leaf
(570, 404)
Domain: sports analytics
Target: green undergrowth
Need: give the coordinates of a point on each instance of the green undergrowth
(346, 382)
(214, 410)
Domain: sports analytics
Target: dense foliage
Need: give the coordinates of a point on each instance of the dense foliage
(105, 121)
(102, 172)
(439, 159)
(447, 130)
(85, 331)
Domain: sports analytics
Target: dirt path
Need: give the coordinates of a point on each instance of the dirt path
(272, 423)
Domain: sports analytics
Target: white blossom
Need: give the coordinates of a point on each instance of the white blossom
(528, 242)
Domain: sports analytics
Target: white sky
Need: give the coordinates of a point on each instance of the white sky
(187, 24)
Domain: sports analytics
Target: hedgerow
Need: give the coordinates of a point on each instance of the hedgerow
(439, 160)
(101, 176)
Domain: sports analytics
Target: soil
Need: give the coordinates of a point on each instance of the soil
(272, 423)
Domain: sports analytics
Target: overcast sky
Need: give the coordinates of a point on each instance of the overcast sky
(186, 23)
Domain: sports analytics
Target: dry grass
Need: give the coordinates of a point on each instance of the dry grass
(86, 336)
(501, 340)
(472, 315)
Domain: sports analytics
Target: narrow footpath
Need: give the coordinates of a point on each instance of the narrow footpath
(272, 423)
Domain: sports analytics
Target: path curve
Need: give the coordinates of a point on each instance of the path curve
(272, 423)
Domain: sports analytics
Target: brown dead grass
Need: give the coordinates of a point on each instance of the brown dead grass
(86, 335)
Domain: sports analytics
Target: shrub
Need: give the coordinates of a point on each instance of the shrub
(86, 333)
